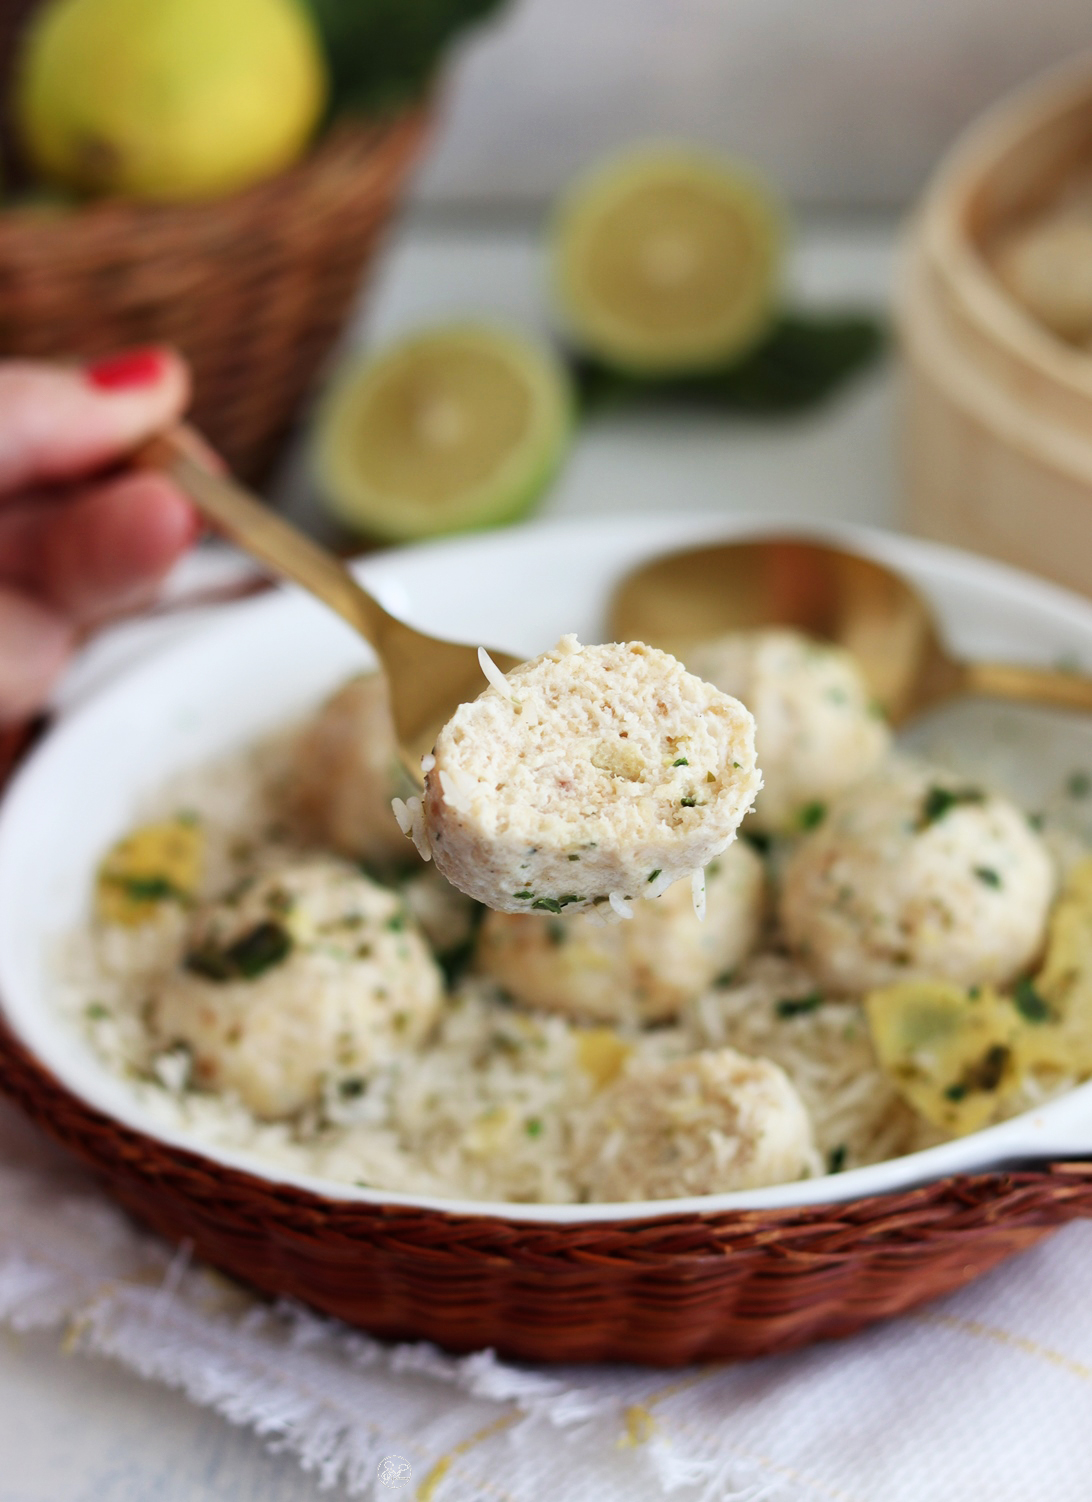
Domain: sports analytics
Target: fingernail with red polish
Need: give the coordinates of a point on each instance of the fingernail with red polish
(127, 371)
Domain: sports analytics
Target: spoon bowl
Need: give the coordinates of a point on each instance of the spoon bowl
(827, 592)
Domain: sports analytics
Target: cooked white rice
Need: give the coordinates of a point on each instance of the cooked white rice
(499, 1101)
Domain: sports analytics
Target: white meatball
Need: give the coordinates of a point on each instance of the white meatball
(916, 875)
(705, 1124)
(642, 971)
(592, 774)
(817, 731)
(345, 773)
(310, 975)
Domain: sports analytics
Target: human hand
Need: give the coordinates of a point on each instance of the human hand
(79, 543)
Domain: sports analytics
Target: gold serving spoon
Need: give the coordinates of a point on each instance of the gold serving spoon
(427, 679)
(674, 601)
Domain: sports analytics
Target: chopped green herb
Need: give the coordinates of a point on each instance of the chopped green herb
(986, 1074)
(555, 932)
(1078, 785)
(757, 840)
(350, 1088)
(987, 876)
(681, 762)
(725, 979)
(574, 857)
(811, 815)
(251, 955)
(1028, 1002)
(533, 1126)
(1036, 821)
(555, 904)
(689, 802)
(974, 993)
(396, 923)
(939, 801)
(523, 896)
(95, 1011)
(713, 868)
(736, 765)
(796, 1006)
(146, 888)
(836, 1158)
(710, 777)
(652, 875)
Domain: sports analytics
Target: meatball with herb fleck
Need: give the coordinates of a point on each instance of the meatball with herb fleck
(708, 1123)
(643, 971)
(591, 775)
(817, 728)
(916, 875)
(309, 975)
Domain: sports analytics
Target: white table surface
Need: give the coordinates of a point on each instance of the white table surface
(72, 1428)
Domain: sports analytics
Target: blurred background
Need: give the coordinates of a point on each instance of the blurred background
(847, 105)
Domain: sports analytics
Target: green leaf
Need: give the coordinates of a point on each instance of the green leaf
(804, 359)
(382, 54)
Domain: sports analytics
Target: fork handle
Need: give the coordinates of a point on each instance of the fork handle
(260, 532)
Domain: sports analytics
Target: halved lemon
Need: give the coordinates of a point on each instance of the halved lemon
(667, 260)
(449, 430)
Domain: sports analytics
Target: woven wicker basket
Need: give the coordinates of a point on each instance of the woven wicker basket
(253, 288)
(663, 1291)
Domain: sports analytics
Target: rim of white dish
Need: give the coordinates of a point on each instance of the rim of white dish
(1059, 1129)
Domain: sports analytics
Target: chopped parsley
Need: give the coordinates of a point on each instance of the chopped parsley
(350, 1088)
(987, 876)
(396, 923)
(940, 801)
(251, 955)
(95, 1011)
(523, 896)
(574, 857)
(680, 762)
(533, 1126)
(986, 1074)
(811, 815)
(1078, 784)
(796, 1006)
(689, 802)
(757, 840)
(652, 875)
(555, 904)
(147, 888)
(836, 1158)
(1028, 1002)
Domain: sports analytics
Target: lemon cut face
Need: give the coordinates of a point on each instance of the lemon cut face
(450, 430)
(667, 261)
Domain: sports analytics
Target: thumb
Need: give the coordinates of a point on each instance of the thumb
(62, 422)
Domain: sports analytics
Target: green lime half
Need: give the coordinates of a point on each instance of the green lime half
(449, 430)
(667, 260)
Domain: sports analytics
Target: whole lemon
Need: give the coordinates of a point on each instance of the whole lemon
(168, 99)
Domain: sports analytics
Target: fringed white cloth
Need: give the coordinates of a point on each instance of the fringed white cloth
(988, 1390)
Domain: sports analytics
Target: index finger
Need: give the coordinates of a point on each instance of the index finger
(60, 423)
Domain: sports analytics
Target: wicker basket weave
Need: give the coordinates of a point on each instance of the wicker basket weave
(663, 1291)
(253, 288)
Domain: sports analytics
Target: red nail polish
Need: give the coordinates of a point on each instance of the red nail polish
(124, 372)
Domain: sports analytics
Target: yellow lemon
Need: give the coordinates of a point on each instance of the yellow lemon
(168, 99)
(448, 430)
(667, 261)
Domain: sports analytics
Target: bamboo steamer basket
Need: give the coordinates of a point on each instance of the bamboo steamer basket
(997, 416)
